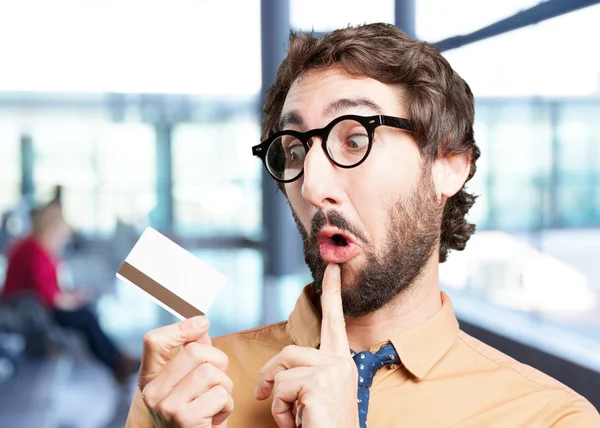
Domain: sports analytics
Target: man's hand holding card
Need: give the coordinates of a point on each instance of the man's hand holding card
(183, 378)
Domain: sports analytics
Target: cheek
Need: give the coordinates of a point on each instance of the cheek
(370, 198)
(297, 203)
(387, 177)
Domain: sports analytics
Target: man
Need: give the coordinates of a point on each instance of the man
(33, 272)
(370, 135)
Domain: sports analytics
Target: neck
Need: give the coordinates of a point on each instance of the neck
(46, 242)
(411, 308)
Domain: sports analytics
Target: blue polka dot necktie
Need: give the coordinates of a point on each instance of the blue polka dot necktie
(368, 364)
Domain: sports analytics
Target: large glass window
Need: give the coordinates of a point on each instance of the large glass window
(516, 149)
(537, 111)
(109, 151)
(578, 164)
(216, 180)
(126, 164)
(107, 171)
(10, 169)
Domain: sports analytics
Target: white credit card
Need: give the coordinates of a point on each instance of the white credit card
(176, 279)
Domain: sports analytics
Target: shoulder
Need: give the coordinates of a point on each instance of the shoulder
(573, 411)
(27, 247)
(557, 404)
(487, 356)
(20, 246)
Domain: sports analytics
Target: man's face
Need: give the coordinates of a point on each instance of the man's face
(380, 220)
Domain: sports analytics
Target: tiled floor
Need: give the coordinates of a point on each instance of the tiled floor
(26, 399)
(91, 399)
(71, 391)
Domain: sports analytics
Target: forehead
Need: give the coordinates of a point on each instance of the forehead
(313, 93)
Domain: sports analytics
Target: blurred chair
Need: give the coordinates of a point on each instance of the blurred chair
(26, 317)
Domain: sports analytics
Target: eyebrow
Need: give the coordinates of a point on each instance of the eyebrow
(293, 117)
(347, 103)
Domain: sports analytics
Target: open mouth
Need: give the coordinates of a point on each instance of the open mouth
(335, 238)
(336, 246)
(339, 240)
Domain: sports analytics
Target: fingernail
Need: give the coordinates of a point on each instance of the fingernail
(200, 323)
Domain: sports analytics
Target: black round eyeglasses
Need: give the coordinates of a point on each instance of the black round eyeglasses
(347, 141)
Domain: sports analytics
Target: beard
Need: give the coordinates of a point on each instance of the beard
(412, 234)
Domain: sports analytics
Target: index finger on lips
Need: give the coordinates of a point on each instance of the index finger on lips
(334, 339)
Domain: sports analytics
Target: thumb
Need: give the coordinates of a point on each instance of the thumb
(162, 344)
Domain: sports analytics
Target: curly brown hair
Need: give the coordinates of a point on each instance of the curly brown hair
(439, 101)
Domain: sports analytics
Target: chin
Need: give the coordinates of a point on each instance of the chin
(349, 273)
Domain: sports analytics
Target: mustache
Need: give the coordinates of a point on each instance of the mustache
(336, 219)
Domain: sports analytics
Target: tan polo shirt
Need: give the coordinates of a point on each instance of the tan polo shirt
(446, 379)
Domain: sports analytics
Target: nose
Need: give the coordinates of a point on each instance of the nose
(320, 186)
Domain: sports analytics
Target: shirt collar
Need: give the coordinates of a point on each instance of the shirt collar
(304, 323)
(419, 348)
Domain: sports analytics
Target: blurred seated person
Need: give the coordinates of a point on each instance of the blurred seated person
(33, 270)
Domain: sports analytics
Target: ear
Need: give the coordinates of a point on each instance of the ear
(450, 173)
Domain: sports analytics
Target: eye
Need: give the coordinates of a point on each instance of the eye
(295, 153)
(357, 141)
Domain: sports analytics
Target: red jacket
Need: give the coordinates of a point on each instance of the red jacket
(31, 268)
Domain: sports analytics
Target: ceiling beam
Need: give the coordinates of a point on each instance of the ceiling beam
(534, 15)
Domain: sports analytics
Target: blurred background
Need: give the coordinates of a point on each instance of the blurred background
(144, 112)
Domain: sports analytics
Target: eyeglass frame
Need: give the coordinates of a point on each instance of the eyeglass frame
(370, 123)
